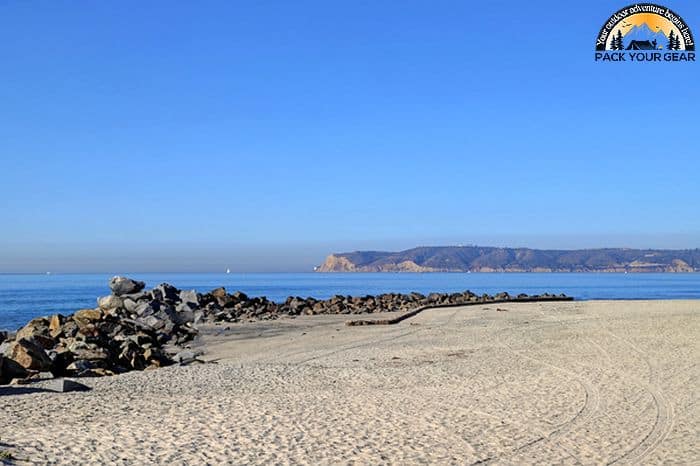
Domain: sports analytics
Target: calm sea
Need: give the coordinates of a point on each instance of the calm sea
(23, 297)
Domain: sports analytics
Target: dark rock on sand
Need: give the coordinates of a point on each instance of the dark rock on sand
(10, 370)
(122, 285)
(28, 354)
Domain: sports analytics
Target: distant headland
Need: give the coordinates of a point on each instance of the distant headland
(494, 259)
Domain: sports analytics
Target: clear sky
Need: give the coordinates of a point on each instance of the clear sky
(263, 135)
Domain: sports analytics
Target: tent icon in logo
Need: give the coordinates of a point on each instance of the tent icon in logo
(642, 45)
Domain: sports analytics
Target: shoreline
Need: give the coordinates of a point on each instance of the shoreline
(11, 331)
(137, 329)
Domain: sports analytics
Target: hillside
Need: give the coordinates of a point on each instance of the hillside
(491, 259)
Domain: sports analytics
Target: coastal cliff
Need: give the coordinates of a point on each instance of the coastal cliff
(491, 259)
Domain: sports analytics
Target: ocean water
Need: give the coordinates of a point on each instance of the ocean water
(23, 296)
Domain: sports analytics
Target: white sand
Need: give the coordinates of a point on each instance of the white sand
(558, 383)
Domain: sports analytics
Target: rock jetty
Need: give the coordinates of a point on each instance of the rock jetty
(136, 329)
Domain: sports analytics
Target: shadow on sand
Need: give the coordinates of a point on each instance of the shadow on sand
(19, 390)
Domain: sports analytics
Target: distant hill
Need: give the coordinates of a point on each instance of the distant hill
(491, 259)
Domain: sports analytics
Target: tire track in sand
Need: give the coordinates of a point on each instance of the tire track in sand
(589, 408)
(663, 423)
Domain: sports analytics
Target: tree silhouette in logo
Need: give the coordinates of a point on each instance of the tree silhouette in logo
(674, 41)
(616, 42)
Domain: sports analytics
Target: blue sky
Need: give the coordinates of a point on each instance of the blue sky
(188, 136)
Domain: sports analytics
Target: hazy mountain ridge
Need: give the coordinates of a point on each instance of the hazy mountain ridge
(492, 259)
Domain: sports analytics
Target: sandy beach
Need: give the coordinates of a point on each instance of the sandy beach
(606, 382)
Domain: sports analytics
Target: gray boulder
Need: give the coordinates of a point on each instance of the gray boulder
(136, 296)
(145, 309)
(129, 304)
(165, 291)
(123, 285)
(185, 313)
(107, 303)
(151, 322)
(190, 297)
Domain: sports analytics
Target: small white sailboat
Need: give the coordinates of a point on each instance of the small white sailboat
(228, 270)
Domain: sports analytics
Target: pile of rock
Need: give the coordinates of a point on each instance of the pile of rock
(130, 329)
(134, 329)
